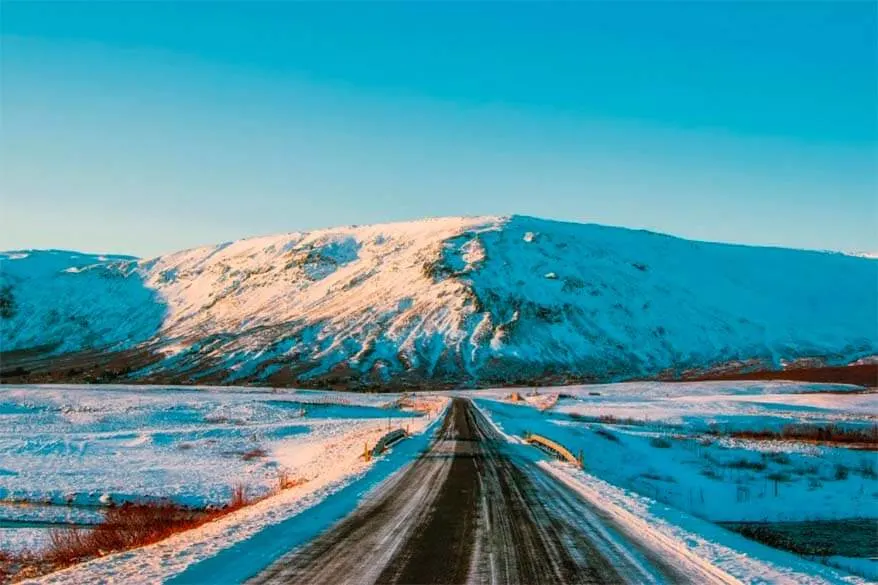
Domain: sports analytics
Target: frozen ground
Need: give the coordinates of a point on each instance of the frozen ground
(661, 476)
(700, 406)
(674, 532)
(665, 452)
(77, 448)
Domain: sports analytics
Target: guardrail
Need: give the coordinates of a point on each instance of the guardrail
(384, 443)
(553, 448)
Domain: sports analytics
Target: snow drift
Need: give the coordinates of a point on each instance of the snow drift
(454, 301)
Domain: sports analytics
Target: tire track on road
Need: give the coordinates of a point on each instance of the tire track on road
(469, 510)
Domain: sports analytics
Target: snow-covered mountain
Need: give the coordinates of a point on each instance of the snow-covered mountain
(453, 301)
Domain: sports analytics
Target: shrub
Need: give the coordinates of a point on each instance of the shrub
(830, 433)
(660, 443)
(711, 473)
(775, 539)
(607, 435)
(256, 453)
(609, 419)
(124, 527)
(286, 481)
(841, 472)
(867, 469)
(810, 469)
(746, 464)
(239, 496)
(779, 477)
(657, 477)
(779, 458)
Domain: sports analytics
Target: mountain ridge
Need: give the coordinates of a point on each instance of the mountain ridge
(442, 301)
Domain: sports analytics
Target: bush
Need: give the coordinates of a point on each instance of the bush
(841, 472)
(286, 481)
(131, 525)
(711, 473)
(660, 443)
(867, 469)
(607, 435)
(609, 419)
(779, 458)
(124, 527)
(810, 469)
(775, 539)
(830, 433)
(779, 477)
(257, 453)
(746, 464)
(239, 496)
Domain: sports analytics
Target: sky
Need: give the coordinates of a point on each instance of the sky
(147, 127)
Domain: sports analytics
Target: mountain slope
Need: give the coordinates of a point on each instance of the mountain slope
(442, 301)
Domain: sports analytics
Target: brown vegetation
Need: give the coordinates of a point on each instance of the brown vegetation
(285, 481)
(256, 453)
(830, 433)
(125, 527)
(860, 375)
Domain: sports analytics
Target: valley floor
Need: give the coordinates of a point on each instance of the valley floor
(464, 500)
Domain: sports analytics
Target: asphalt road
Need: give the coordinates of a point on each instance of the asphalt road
(469, 510)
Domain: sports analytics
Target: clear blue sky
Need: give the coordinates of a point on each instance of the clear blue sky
(141, 128)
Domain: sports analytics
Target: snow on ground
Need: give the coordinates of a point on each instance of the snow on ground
(726, 405)
(249, 539)
(449, 299)
(668, 483)
(699, 406)
(668, 531)
(666, 456)
(73, 449)
(21, 539)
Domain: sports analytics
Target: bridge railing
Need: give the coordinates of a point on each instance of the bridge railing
(385, 442)
(553, 448)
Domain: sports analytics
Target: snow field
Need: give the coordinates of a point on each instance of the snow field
(67, 451)
(648, 442)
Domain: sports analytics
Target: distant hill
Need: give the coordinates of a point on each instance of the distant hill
(433, 303)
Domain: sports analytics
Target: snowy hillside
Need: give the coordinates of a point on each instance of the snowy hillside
(433, 302)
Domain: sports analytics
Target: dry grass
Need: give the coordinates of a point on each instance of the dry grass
(7, 562)
(829, 433)
(124, 527)
(285, 481)
(130, 526)
(257, 453)
(607, 419)
(239, 496)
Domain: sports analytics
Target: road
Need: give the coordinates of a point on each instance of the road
(469, 510)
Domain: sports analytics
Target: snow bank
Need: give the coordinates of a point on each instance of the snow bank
(671, 532)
